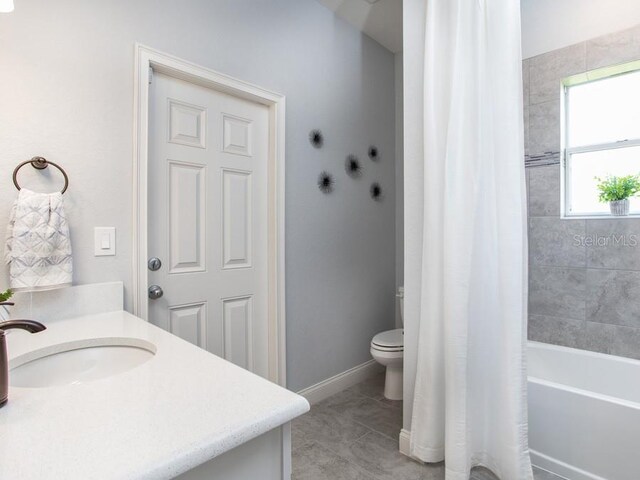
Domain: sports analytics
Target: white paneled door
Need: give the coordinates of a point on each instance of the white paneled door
(208, 174)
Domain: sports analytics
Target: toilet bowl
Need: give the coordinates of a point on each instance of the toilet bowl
(387, 348)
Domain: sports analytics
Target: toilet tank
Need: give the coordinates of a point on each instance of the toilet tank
(400, 296)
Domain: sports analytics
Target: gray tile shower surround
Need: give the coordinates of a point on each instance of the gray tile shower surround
(354, 436)
(580, 295)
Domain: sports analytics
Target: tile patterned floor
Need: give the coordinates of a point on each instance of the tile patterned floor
(354, 436)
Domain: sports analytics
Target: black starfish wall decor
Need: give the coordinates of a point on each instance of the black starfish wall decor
(376, 191)
(316, 138)
(352, 166)
(326, 182)
(373, 153)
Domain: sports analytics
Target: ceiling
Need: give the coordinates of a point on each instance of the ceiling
(379, 19)
(551, 24)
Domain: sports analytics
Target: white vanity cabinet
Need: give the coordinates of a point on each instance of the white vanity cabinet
(184, 413)
(267, 457)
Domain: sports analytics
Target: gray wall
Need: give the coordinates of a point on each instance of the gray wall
(580, 296)
(67, 94)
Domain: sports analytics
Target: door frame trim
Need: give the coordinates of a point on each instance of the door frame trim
(147, 58)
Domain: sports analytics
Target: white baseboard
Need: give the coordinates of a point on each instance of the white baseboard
(405, 442)
(326, 388)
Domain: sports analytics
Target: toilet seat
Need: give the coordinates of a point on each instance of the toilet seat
(389, 341)
(387, 348)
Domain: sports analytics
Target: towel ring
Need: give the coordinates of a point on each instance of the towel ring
(40, 163)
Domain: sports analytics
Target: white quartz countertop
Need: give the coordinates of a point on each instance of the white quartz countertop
(178, 410)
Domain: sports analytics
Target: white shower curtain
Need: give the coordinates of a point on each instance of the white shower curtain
(470, 393)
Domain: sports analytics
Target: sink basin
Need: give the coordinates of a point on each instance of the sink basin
(75, 363)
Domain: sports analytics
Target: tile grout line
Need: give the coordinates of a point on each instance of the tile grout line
(371, 429)
(382, 405)
(357, 467)
(583, 268)
(340, 455)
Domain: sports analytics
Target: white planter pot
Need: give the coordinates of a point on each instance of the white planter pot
(619, 207)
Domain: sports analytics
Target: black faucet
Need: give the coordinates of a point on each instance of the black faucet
(30, 326)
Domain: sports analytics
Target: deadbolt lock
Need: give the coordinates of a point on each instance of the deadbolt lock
(154, 264)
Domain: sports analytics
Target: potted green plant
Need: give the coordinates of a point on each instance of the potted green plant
(5, 297)
(617, 191)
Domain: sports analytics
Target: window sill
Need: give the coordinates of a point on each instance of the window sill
(601, 217)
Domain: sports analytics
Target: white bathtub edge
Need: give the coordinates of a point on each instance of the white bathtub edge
(581, 351)
(559, 468)
(587, 393)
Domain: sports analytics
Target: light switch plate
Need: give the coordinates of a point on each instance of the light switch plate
(104, 241)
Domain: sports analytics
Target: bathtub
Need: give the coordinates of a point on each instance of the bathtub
(584, 413)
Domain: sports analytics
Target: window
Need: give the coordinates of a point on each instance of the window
(601, 135)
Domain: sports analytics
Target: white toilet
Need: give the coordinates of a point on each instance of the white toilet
(387, 348)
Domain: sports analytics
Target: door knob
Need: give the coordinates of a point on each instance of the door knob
(154, 264)
(155, 292)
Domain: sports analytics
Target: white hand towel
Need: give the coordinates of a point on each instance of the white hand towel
(38, 247)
